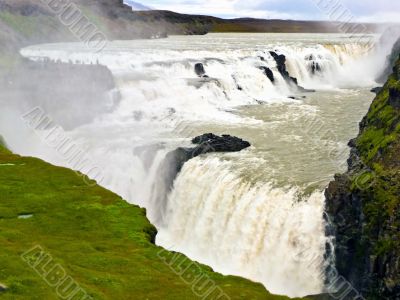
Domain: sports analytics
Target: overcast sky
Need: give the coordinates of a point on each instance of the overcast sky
(361, 10)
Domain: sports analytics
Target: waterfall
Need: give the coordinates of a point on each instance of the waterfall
(253, 230)
(237, 221)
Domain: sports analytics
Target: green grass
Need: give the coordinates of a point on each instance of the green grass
(29, 26)
(101, 241)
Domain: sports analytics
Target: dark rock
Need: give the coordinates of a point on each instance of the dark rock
(199, 69)
(310, 57)
(365, 232)
(207, 143)
(281, 65)
(315, 67)
(238, 86)
(345, 211)
(376, 90)
(294, 80)
(213, 143)
(268, 73)
(394, 97)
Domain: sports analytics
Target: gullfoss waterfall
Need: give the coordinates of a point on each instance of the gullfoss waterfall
(249, 213)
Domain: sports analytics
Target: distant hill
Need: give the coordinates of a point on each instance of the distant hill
(136, 5)
(25, 22)
(198, 24)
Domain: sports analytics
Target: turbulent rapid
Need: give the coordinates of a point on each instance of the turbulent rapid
(258, 213)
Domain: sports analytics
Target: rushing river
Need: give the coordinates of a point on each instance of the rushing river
(250, 213)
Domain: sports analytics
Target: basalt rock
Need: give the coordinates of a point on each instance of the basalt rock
(315, 67)
(394, 97)
(363, 204)
(376, 90)
(199, 69)
(280, 60)
(268, 73)
(206, 143)
(226, 143)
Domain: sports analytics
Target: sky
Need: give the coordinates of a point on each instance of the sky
(334, 10)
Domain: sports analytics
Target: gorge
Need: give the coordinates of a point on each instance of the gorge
(252, 198)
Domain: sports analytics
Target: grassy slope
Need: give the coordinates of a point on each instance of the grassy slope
(101, 241)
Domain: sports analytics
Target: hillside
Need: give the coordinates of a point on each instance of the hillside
(92, 235)
(195, 24)
(364, 203)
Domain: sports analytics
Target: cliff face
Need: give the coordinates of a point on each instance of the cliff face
(364, 203)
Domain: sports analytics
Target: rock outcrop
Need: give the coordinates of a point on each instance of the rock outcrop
(206, 143)
(376, 90)
(314, 65)
(394, 97)
(199, 69)
(364, 203)
(268, 72)
(280, 60)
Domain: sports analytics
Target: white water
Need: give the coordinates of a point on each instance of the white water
(250, 213)
(254, 231)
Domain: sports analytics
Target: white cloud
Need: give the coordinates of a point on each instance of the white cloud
(362, 10)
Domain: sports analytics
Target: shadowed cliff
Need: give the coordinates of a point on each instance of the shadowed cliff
(364, 203)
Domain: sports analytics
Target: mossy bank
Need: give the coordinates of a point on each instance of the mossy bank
(364, 203)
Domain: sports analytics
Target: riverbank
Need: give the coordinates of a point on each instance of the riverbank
(103, 243)
(364, 202)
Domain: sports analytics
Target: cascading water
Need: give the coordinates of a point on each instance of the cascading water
(250, 213)
(253, 230)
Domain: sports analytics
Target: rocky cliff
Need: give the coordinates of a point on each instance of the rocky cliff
(364, 203)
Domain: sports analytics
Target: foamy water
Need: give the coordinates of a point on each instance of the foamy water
(250, 213)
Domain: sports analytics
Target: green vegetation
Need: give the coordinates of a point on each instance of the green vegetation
(101, 241)
(379, 146)
(32, 26)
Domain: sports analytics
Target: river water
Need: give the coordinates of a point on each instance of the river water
(252, 213)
